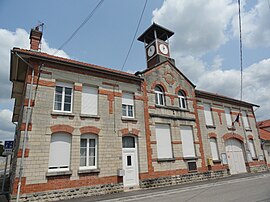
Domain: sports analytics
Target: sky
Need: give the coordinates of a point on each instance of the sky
(205, 44)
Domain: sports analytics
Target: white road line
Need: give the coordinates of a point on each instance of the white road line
(179, 190)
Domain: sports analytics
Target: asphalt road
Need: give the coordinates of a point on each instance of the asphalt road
(242, 188)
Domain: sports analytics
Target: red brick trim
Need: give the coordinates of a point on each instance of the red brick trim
(62, 128)
(139, 97)
(41, 82)
(78, 88)
(89, 129)
(196, 142)
(212, 135)
(110, 97)
(26, 154)
(219, 111)
(45, 72)
(32, 102)
(172, 98)
(126, 132)
(250, 137)
(255, 163)
(176, 142)
(153, 142)
(23, 126)
(110, 84)
(180, 88)
(232, 136)
(200, 107)
(156, 83)
(151, 107)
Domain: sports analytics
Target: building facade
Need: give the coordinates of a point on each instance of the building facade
(85, 130)
(264, 131)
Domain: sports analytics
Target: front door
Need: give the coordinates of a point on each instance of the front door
(130, 163)
(235, 156)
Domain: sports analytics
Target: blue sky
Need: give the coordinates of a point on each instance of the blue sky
(205, 44)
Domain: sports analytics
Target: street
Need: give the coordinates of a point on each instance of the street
(250, 188)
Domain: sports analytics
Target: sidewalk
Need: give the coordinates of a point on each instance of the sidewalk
(167, 188)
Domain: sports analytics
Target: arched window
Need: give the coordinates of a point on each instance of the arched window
(59, 159)
(88, 151)
(159, 95)
(182, 100)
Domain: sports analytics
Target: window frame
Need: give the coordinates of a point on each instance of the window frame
(89, 137)
(63, 94)
(216, 147)
(182, 99)
(125, 106)
(212, 124)
(159, 93)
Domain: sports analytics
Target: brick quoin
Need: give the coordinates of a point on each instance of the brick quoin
(23, 126)
(89, 129)
(62, 128)
(78, 88)
(126, 132)
(26, 154)
(232, 136)
(212, 135)
(250, 137)
(110, 97)
(32, 102)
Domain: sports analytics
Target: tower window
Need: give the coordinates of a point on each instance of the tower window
(182, 100)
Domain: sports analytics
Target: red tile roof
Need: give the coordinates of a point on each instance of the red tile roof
(264, 134)
(264, 124)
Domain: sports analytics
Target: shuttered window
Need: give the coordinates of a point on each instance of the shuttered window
(89, 100)
(245, 119)
(187, 141)
(228, 116)
(208, 115)
(59, 159)
(128, 105)
(163, 137)
(214, 149)
(252, 148)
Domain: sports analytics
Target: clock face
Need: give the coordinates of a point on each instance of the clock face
(151, 51)
(163, 48)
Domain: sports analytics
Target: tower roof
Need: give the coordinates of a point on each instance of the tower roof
(162, 33)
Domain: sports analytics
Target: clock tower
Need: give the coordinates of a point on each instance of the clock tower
(156, 44)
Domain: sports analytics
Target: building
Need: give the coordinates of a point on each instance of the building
(264, 131)
(85, 130)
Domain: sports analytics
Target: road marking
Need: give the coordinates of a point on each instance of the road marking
(180, 190)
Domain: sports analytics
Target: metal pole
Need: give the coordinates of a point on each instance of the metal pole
(4, 179)
(25, 136)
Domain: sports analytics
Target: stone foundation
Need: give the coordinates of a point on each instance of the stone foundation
(56, 195)
(258, 169)
(179, 179)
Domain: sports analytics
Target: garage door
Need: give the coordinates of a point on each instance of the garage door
(235, 156)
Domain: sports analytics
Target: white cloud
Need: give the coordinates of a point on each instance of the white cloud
(20, 39)
(199, 26)
(255, 25)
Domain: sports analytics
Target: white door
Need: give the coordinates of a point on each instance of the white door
(130, 162)
(235, 156)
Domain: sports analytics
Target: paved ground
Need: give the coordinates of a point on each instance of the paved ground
(239, 188)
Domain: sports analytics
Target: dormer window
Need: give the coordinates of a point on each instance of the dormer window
(159, 95)
(182, 100)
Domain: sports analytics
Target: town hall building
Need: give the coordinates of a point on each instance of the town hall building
(85, 130)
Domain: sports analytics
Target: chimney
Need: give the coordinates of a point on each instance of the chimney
(35, 38)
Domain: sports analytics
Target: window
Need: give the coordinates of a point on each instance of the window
(159, 95)
(192, 166)
(214, 149)
(59, 159)
(182, 100)
(63, 97)
(128, 105)
(187, 141)
(208, 115)
(245, 119)
(228, 116)
(128, 142)
(89, 100)
(88, 151)
(163, 138)
(252, 148)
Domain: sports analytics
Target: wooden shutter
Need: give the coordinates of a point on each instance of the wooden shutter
(214, 150)
(245, 120)
(163, 137)
(89, 100)
(60, 151)
(228, 116)
(208, 115)
(251, 148)
(187, 141)
(127, 99)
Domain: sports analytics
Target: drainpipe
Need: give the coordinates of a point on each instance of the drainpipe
(25, 135)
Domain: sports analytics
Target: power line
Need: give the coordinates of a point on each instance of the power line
(241, 50)
(134, 36)
(81, 25)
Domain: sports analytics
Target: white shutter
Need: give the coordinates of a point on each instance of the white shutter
(208, 115)
(187, 141)
(214, 150)
(60, 151)
(228, 116)
(245, 120)
(127, 99)
(163, 137)
(251, 148)
(89, 100)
